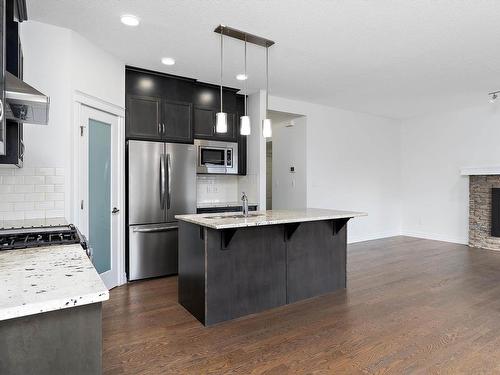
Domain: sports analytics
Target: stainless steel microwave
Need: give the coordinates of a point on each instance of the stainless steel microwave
(215, 157)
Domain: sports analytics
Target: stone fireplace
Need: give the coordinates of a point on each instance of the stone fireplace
(482, 185)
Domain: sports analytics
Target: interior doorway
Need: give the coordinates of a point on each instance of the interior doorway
(100, 189)
(286, 162)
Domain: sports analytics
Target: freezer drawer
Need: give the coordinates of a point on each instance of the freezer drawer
(152, 250)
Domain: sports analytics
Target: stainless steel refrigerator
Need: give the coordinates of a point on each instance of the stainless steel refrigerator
(161, 184)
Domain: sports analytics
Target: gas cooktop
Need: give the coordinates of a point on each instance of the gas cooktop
(22, 238)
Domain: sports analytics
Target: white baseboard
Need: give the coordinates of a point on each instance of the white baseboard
(436, 237)
(375, 236)
(427, 236)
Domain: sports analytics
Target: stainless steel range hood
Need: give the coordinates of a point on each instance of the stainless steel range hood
(25, 103)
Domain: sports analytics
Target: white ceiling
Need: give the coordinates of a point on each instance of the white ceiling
(396, 58)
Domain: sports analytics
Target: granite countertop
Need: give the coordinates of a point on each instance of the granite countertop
(37, 280)
(28, 223)
(222, 204)
(227, 220)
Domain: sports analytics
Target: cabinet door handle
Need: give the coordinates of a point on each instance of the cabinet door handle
(159, 128)
(163, 128)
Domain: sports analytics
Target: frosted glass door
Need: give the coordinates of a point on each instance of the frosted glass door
(99, 190)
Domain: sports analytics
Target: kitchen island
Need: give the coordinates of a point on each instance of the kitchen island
(231, 265)
(50, 311)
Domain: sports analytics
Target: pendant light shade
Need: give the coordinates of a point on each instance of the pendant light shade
(221, 122)
(267, 130)
(245, 127)
(221, 117)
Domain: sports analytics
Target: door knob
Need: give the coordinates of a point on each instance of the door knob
(115, 210)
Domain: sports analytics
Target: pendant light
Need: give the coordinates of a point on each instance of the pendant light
(267, 130)
(245, 127)
(221, 117)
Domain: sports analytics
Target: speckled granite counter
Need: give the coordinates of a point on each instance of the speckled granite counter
(45, 279)
(271, 217)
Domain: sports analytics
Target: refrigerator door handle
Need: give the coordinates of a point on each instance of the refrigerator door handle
(154, 230)
(169, 183)
(162, 181)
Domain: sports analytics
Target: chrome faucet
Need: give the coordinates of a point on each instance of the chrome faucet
(244, 199)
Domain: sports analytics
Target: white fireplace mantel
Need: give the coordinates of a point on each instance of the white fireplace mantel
(480, 171)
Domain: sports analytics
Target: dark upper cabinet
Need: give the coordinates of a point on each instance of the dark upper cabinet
(159, 107)
(167, 108)
(204, 122)
(143, 118)
(177, 121)
(11, 131)
(204, 125)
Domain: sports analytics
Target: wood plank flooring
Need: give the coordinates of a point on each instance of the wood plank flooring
(411, 306)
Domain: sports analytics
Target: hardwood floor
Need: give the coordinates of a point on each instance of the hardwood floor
(411, 306)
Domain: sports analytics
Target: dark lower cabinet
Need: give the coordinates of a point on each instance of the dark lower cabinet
(143, 119)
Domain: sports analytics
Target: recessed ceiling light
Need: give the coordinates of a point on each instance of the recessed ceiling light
(129, 20)
(241, 77)
(167, 61)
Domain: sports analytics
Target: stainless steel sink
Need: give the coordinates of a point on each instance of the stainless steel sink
(235, 216)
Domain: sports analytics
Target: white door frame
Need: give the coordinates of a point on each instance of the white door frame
(80, 101)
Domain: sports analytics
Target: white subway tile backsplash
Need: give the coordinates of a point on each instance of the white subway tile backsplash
(44, 188)
(54, 196)
(11, 197)
(24, 206)
(31, 193)
(39, 214)
(45, 171)
(6, 207)
(35, 180)
(35, 197)
(12, 180)
(6, 189)
(45, 205)
(53, 180)
(13, 216)
(24, 188)
(217, 189)
(54, 213)
(25, 171)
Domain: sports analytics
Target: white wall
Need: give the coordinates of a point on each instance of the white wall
(353, 163)
(434, 148)
(59, 62)
(254, 183)
(289, 190)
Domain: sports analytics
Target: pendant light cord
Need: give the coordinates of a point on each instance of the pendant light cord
(267, 79)
(246, 77)
(221, 60)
